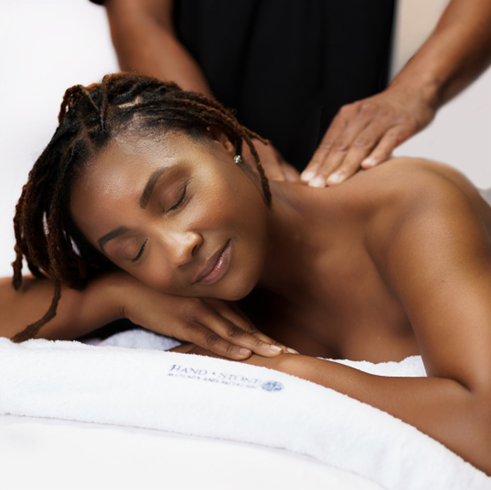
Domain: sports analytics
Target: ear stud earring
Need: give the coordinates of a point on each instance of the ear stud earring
(238, 159)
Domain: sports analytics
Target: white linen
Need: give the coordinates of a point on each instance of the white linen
(211, 397)
(69, 455)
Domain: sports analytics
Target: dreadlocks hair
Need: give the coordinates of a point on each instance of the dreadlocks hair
(89, 117)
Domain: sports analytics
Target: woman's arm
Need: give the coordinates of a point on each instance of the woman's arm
(441, 407)
(78, 313)
(213, 324)
(144, 39)
(434, 253)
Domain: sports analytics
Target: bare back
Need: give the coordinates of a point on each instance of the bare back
(349, 304)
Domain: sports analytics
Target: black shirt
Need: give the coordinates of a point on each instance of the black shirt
(287, 66)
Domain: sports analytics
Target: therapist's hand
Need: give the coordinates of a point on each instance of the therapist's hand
(364, 134)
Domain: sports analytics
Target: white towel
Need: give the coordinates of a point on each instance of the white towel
(211, 397)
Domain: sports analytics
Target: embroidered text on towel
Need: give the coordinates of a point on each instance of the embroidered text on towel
(223, 378)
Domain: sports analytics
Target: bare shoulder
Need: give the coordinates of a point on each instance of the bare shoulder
(432, 246)
(406, 178)
(410, 192)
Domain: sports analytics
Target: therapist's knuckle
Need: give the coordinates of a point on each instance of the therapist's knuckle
(341, 146)
(346, 111)
(326, 144)
(363, 142)
(396, 136)
(367, 108)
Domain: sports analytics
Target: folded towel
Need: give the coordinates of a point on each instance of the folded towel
(212, 397)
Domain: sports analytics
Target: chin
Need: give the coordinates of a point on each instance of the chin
(238, 292)
(238, 286)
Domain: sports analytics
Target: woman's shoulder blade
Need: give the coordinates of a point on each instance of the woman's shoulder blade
(420, 194)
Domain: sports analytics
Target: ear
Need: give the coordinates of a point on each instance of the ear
(221, 137)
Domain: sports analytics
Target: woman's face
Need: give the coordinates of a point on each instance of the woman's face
(176, 213)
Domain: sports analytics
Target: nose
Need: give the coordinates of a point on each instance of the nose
(182, 247)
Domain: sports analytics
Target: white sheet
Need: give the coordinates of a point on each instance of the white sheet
(105, 457)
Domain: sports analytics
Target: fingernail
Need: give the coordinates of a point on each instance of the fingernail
(292, 351)
(335, 178)
(307, 175)
(368, 162)
(244, 352)
(275, 348)
(317, 182)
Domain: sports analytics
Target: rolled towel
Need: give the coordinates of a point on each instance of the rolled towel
(212, 397)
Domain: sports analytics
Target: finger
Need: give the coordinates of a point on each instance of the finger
(236, 317)
(360, 148)
(232, 312)
(240, 337)
(335, 129)
(356, 122)
(213, 342)
(391, 140)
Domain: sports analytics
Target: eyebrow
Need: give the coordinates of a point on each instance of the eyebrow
(147, 192)
(112, 234)
(145, 197)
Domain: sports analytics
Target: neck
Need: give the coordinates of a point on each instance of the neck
(295, 238)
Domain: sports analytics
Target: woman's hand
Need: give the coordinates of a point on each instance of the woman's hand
(282, 363)
(215, 325)
(364, 134)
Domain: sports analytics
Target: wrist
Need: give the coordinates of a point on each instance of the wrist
(116, 288)
(424, 90)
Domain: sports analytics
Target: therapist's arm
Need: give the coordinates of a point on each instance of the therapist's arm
(143, 36)
(364, 133)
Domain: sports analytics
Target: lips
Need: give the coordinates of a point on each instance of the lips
(215, 267)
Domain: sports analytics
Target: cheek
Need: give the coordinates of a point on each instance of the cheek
(225, 211)
(244, 215)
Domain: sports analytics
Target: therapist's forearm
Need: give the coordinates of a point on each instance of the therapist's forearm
(455, 54)
(145, 43)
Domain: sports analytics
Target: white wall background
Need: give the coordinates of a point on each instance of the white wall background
(49, 45)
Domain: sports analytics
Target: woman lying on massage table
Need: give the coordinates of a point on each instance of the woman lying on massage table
(144, 206)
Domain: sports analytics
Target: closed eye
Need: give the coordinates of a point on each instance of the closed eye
(140, 253)
(180, 201)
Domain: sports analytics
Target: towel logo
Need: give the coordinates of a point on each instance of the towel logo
(272, 386)
(224, 378)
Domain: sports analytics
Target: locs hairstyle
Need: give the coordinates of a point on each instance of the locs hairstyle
(89, 117)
